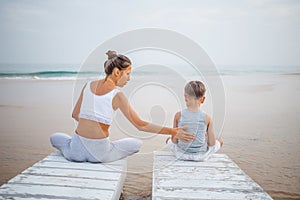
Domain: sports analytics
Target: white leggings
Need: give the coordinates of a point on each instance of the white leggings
(193, 157)
(81, 149)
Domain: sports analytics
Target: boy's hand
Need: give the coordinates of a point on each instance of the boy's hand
(183, 135)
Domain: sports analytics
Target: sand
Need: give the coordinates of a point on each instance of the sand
(261, 130)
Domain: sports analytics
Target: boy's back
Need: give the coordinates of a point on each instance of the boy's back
(196, 123)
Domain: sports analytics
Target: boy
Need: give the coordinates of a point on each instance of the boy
(198, 123)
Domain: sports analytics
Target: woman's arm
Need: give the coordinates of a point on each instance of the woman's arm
(122, 103)
(175, 124)
(76, 110)
(210, 131)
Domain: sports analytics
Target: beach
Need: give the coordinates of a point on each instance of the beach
(261, 129)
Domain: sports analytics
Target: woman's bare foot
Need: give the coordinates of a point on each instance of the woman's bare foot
(221, 141)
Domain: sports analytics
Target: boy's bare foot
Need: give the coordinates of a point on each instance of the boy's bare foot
(221, 141)
(167, 140)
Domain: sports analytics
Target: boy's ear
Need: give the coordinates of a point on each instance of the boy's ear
(202, 99)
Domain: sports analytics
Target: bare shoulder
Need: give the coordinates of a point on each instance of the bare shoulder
(120, 95)
(94, 84)
(207, 119)
(177, 115)
(119, 100)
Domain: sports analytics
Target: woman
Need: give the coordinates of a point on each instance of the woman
(94, 112)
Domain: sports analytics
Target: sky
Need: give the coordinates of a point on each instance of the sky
(241, 32)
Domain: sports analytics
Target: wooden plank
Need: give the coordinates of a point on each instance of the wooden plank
(208, 194)
(197, 173)
(217, 178)
(54, 177)
(26, 198)
(72, 173)
(64, 181)
(57, 158)
(85, 166)
(169, 153)
(162, 163)
(51, 192)
(207, 184)
(213, 158)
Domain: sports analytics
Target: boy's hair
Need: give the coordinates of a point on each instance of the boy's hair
(195, 89)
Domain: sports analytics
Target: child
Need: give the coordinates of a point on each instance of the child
(198, 123)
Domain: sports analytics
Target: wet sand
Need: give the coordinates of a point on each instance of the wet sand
(261, 130)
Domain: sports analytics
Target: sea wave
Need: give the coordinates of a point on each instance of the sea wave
(51, 75)
(68, 73)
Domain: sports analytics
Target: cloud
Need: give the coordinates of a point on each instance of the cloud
(23, 17)
(58, 27)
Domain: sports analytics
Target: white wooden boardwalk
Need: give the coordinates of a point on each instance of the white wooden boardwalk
(217, 178)
(56, 178)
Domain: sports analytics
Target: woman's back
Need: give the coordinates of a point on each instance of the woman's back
(97, 107)
(96, 111)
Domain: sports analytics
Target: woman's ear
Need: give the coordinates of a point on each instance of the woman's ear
(116, 72)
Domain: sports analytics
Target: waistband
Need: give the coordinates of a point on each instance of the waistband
(90, 139)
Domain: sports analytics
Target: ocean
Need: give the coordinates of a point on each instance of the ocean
(75, 72)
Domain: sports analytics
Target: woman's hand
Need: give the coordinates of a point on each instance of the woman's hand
(183, 135)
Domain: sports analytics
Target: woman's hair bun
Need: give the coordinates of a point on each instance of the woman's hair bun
(110, 54)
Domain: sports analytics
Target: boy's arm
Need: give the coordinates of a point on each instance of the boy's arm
(210, 131)
(175, 124)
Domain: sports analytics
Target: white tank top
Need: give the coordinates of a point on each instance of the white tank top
(97, 107)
